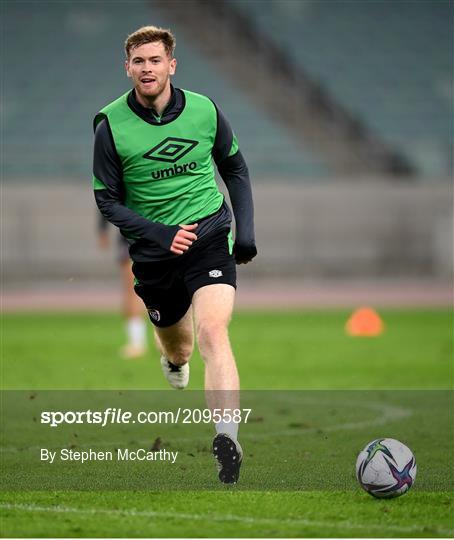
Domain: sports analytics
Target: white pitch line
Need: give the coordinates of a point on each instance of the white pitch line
(220, 518)
(387, 413)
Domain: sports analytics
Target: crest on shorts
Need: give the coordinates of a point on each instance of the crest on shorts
(215, 273)
(154, 315)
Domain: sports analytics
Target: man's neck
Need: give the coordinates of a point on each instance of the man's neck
(157, 103)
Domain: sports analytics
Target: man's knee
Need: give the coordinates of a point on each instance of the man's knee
(210, 336)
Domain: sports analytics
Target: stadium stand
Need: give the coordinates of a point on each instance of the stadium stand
(388, 63)
(63, 61)
(57, 78)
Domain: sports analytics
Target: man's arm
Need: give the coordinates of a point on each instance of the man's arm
(234, 172)
(109, 196)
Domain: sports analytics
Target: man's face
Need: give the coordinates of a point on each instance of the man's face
(150, 67)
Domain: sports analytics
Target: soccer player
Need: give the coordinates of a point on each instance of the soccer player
(132, 307)
(154, 179)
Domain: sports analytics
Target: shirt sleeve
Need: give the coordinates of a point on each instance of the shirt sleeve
(109, 193)
(234, 172)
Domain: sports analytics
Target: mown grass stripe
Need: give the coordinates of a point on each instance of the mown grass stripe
(227, 517)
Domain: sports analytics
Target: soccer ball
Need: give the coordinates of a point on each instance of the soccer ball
(386, 468)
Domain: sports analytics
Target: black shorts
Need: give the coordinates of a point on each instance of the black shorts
(166, 287)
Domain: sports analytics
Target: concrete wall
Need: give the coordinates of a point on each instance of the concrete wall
(366, 229)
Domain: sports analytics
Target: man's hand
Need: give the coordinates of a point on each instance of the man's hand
(244, 254)
(184, 239)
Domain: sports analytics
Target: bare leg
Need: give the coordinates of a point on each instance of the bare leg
(176, 342)
(213, 306)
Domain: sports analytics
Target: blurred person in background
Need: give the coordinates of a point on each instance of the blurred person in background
(154, 179)
(132, 306)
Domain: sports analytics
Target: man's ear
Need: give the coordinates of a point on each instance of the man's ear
(173, 66)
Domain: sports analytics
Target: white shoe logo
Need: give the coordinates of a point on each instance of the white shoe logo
(215, 273)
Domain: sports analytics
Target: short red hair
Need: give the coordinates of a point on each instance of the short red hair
(150, 34)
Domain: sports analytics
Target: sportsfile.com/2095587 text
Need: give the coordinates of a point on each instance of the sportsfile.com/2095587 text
(113, 415)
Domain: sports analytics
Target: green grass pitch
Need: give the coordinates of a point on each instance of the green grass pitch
(297, 479)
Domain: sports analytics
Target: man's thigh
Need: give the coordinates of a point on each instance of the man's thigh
(213, 304)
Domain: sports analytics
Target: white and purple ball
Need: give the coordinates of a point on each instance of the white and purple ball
(386, 468)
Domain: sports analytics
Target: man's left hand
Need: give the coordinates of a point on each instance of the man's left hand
(244, 254)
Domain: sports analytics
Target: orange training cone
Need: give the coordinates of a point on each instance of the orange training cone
(364, 322)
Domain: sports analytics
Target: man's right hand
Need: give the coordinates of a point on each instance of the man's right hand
(184, 239)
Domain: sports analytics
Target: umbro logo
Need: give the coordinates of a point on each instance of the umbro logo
(171, 149)
(215, 273)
